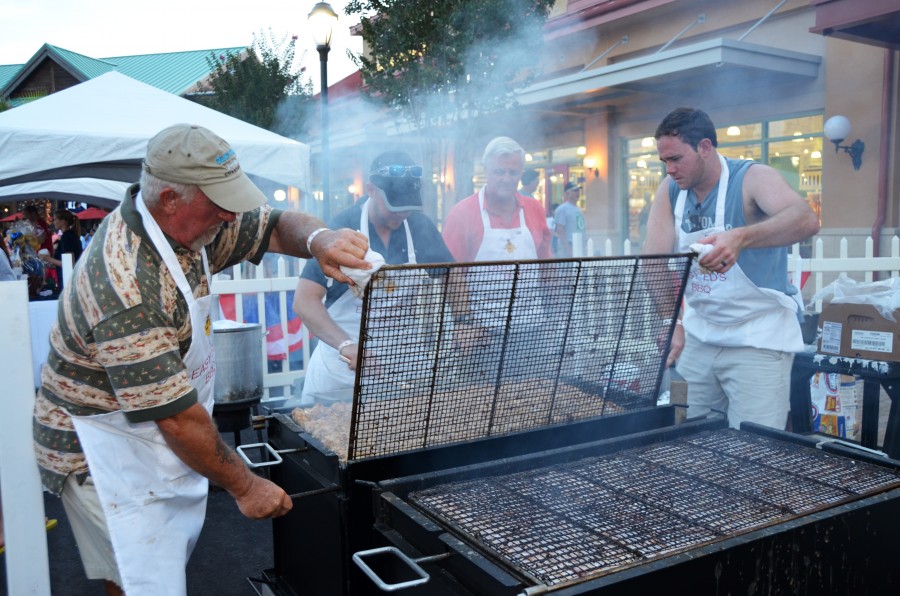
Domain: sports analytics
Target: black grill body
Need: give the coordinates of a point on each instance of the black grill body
(313, 544)
(562, 367)
(834, 540)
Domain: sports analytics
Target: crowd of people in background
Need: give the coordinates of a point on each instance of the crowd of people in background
(738, 214)
(34, 248)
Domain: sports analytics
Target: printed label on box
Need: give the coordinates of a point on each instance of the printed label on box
(836, 404)
(873, 341)
(831, 337)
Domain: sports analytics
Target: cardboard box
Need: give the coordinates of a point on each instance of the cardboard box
(859, 331)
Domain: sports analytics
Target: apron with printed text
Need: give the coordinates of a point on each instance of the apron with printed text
(154, 503)
(728, 309)
(328, 378)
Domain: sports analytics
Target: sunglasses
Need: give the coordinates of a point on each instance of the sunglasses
(397, 171)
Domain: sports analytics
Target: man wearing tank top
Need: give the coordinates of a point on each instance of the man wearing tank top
(740, 315)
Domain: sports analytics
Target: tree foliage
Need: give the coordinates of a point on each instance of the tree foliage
(438, 61)
(446, 66)
(262, 88)
(7, 103)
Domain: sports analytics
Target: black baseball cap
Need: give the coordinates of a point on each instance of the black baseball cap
(400, 178)
(572, 186)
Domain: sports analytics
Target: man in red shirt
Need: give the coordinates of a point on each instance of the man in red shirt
(497, 223)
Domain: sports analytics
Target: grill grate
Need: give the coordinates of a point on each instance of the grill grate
(565, 523)
(547, 342)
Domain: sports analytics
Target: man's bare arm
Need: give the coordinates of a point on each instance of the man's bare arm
(776, 216)
(332, 248)
(193, 437)
(308, 305)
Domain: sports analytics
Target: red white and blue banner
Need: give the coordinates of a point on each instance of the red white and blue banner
(276, 347)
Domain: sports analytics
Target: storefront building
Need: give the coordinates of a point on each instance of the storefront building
(768, 73)
(768, 82)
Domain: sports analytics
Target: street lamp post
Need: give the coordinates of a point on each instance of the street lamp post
(322, 19)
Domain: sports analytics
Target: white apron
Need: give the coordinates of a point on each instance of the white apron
(154, 503)
(513, 244)
(728, 309)
(328, 378)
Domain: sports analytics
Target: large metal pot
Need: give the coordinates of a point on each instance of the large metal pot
(239, 374)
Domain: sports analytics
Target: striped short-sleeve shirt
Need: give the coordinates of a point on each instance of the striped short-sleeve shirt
(122, 330)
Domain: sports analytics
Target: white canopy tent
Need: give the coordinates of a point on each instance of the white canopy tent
(86, 143)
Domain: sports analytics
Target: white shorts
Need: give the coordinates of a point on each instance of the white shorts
(85, 516)
(746, 384)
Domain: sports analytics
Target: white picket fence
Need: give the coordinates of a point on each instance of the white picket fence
(281, 282)
(822, 269)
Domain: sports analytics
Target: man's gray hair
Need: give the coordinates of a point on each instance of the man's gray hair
(502, 146)
(151, 187)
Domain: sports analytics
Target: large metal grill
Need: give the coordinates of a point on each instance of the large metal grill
(563, 524)
(456, 352)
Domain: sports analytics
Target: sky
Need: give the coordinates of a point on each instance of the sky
(105, 28)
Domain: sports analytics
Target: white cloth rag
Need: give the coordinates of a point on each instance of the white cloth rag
(701, 249)
(361, 277)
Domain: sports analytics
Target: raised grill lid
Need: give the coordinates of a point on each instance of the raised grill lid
(457, 352)
(568, 523)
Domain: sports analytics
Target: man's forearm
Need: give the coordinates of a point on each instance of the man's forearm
(291, 234)
(321, 325)
(193, 437)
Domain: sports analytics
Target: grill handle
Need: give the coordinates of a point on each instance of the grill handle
(413, 564)
(319, 491)
(819, 445)
(276, 455)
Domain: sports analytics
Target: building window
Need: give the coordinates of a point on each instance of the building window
(793, 146)
(556, 166)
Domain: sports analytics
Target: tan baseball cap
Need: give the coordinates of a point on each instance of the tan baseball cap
(191, 154)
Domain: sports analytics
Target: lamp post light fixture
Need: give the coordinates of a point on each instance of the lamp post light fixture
(322, 19)
(836, 129)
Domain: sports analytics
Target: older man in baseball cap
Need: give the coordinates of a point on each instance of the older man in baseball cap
(122, 421)
(190, 154)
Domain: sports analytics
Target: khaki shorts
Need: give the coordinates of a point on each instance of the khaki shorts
(85, 516)
(747, 384)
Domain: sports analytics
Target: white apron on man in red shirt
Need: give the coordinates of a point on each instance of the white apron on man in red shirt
(501, 244)
(726, 308)
(155, 504)
(507, 244)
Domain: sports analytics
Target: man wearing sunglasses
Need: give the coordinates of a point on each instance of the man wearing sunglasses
(391, 217)
(741, 326)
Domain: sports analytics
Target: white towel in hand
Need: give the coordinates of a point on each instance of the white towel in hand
(361, 277)
(701, 249)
